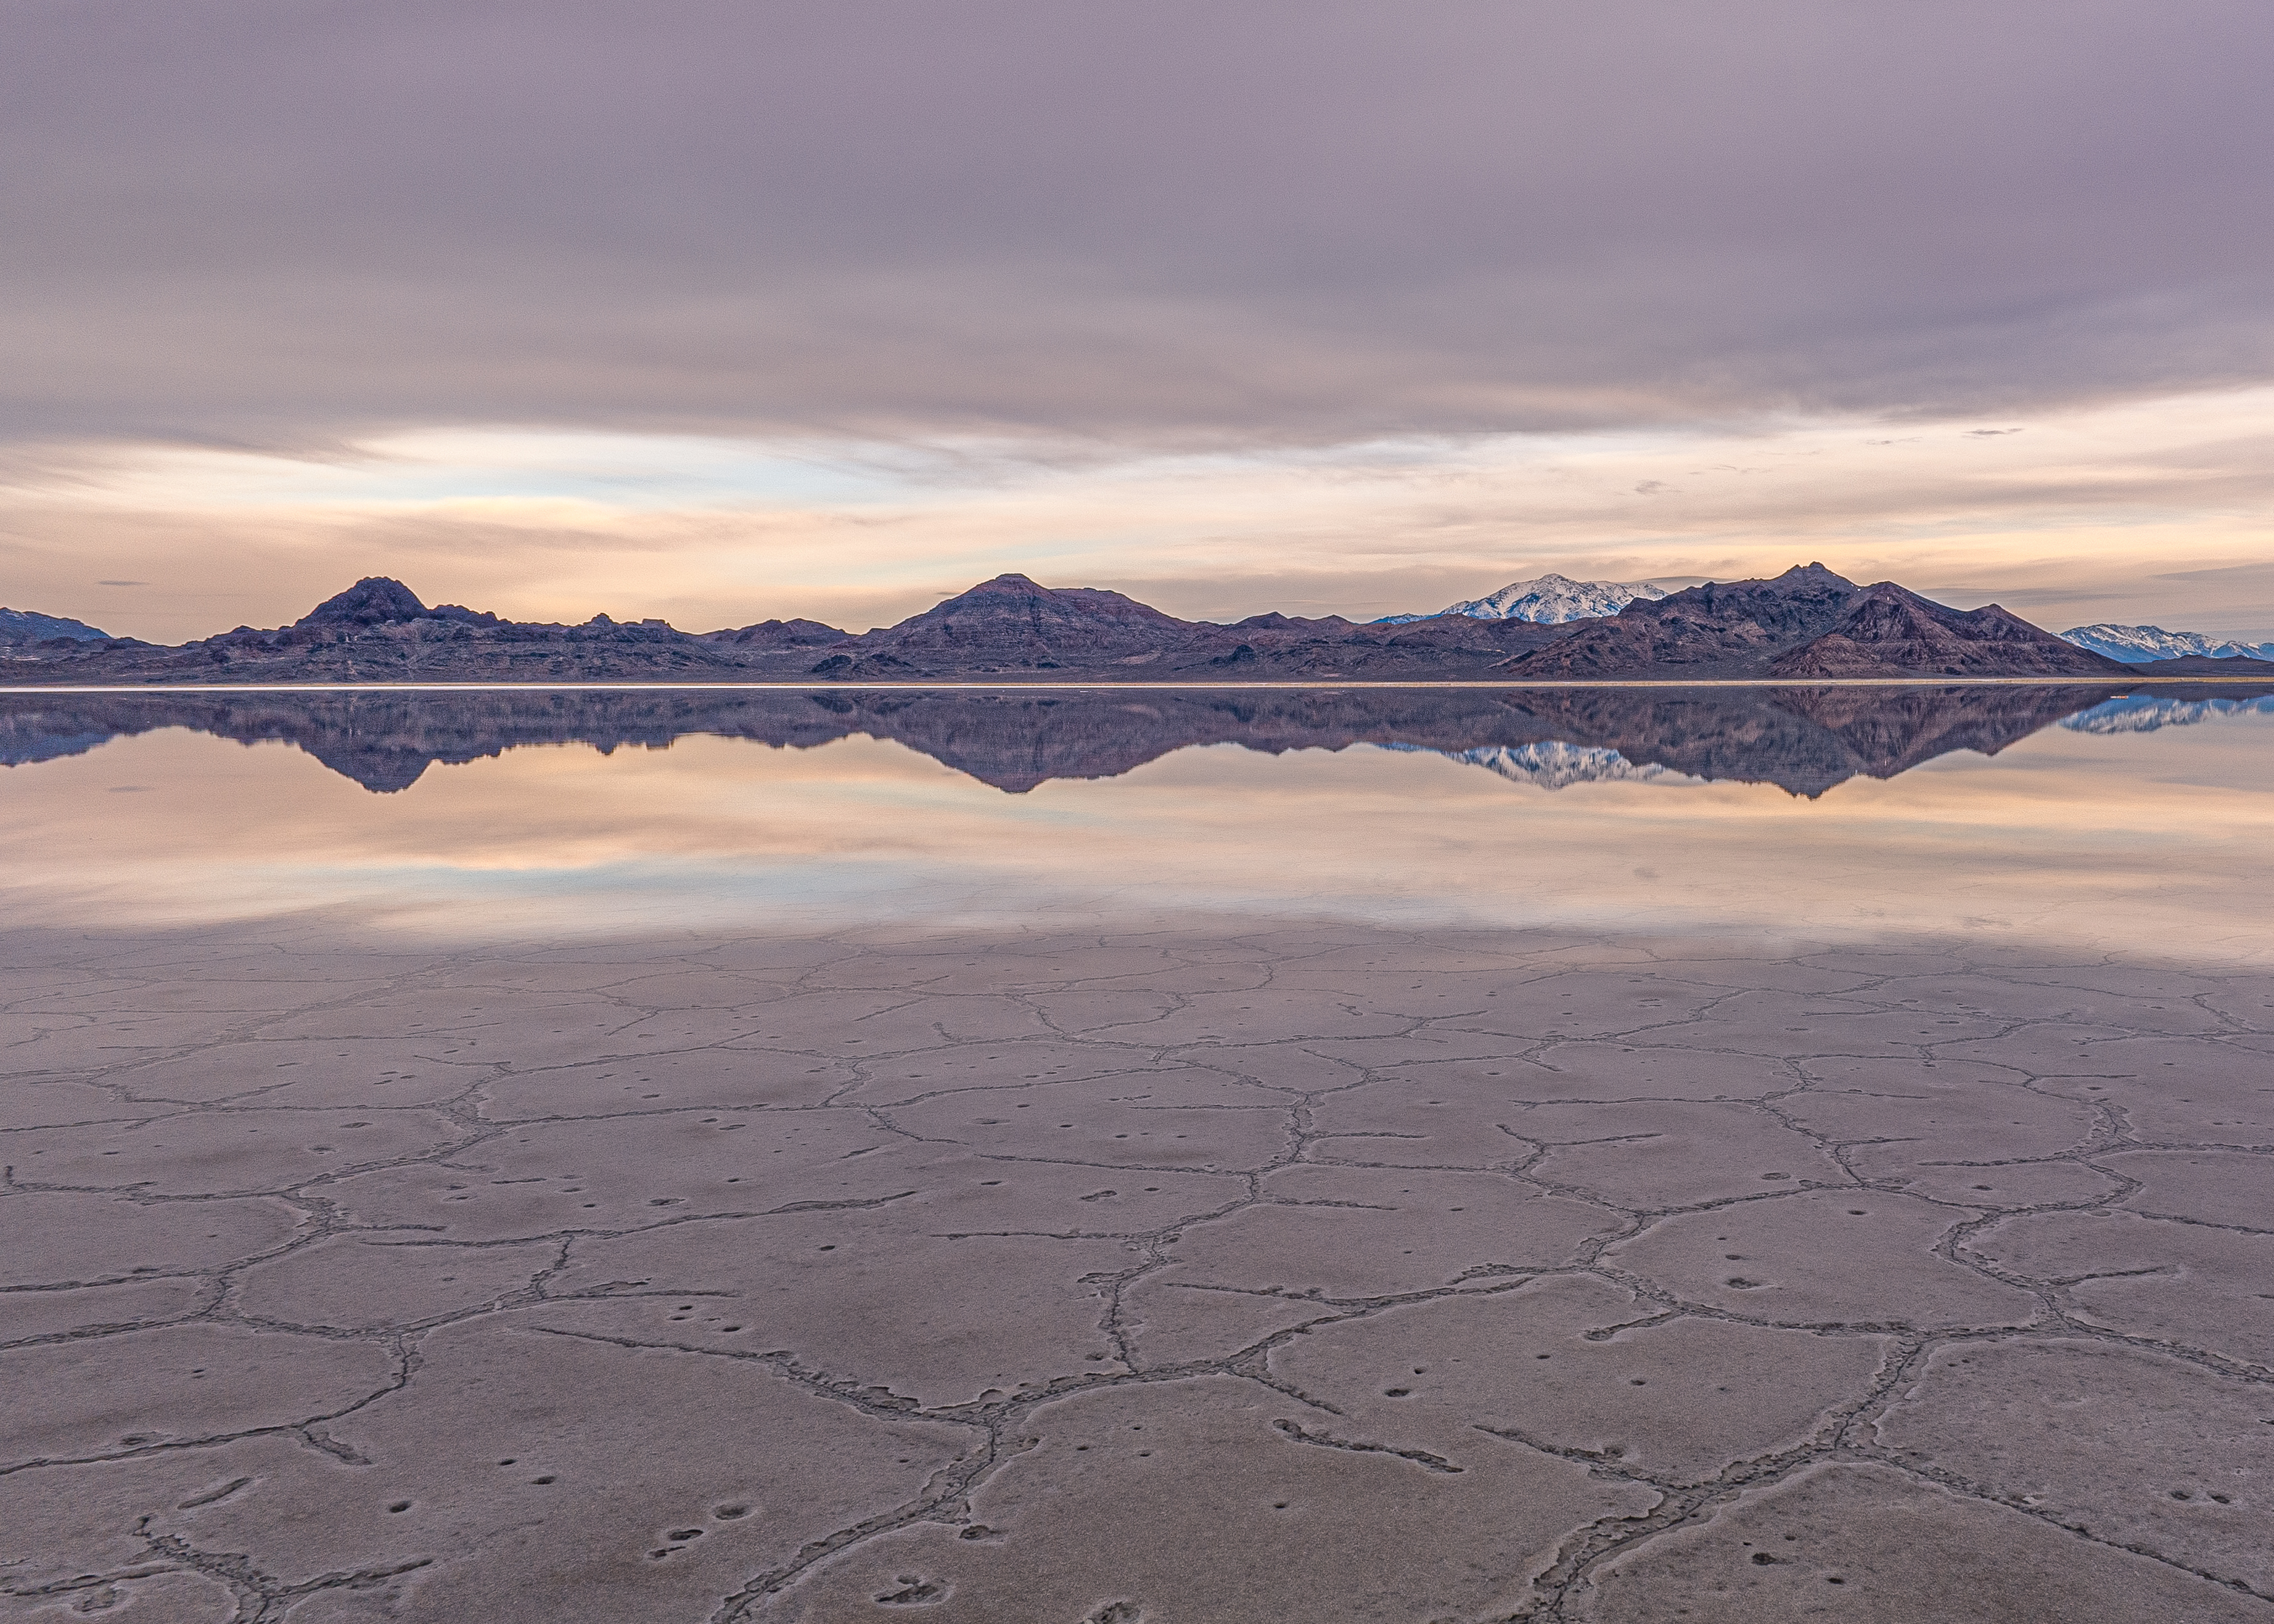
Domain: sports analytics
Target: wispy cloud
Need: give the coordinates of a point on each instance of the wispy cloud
(2146, 510)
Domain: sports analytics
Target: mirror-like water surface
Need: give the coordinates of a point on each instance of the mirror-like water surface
(2077, 818)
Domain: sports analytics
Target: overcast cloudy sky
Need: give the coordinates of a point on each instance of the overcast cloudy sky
(721, 310)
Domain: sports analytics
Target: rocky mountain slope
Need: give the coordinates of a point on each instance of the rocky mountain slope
(19, 627)
(1888, 632)
(1546, 600)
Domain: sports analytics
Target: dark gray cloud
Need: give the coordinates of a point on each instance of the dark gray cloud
(263, 221)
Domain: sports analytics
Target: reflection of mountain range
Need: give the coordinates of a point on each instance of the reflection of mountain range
(2145, 713)
(1806, 740)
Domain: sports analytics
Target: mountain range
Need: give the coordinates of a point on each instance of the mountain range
(1806, 739)
(2140, 645)
(1806, 625)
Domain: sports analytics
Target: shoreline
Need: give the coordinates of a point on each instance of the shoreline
(1115, 687)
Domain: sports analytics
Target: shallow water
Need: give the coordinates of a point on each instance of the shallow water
(2074, 818)
(1137, 1158)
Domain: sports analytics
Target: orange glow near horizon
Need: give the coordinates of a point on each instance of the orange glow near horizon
(2064, 841)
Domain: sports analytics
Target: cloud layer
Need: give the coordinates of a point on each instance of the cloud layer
(719, 310)
(1178, 223)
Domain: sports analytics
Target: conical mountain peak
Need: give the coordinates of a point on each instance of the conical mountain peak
(375, 601)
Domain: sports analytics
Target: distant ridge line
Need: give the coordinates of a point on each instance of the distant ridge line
(1809, 625)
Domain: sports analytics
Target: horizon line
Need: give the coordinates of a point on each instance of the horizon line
(1109, 688)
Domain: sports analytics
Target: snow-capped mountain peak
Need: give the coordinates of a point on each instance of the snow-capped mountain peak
(2135, 645)
(23, 625)
(1546, 600)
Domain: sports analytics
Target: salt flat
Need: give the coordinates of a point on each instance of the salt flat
(1208, 1273)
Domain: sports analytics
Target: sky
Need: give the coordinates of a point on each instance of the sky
(722, 312)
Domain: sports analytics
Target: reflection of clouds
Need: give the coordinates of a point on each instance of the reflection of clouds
(2064, 840)
(2144, 713)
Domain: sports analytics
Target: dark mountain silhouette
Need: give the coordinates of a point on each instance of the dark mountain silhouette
(1805, 624)
(1804, 739)
(769, 635)
(377, 601)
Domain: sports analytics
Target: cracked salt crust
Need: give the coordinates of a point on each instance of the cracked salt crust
(1309, 1271)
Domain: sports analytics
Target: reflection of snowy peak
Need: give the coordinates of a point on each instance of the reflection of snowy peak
(2144, 713)
(2135, 645)
(1553, 765)
(1549, 600)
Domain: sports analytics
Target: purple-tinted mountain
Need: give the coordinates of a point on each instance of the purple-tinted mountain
(1719, 629)
(767, 635)
(1888, 632)
(1007, 629)
(21, 628)
(379, 631)
(1807, 624)
(1013, 627)
(1806, 740)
